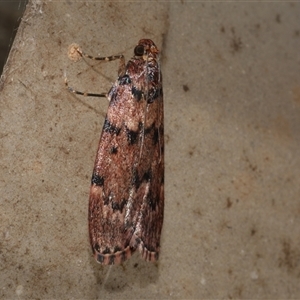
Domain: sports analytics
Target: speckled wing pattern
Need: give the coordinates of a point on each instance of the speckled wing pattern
(126, 202)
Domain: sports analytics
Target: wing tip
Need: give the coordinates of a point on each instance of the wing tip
(115, 258)
(147, 255)
(121, 256)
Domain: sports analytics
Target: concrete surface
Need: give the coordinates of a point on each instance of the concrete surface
(232, 123)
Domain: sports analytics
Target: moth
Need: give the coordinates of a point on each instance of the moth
(126, 203)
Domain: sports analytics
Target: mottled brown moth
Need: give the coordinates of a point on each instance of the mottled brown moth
(126, 204)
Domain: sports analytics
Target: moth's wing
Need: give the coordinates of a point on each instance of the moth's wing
(126, 196)
(149, 193)
(112, 218)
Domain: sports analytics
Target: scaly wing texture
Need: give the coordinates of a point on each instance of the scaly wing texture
(127, 197)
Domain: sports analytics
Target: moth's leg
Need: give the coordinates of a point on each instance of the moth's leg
(70, 89)
(75, 53)
(121, 69)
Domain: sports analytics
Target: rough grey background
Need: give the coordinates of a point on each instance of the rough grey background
(232, 123)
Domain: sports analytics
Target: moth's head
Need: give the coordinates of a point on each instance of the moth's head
(146, 49)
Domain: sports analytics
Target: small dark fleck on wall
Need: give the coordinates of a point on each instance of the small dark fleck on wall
(185, 88)
(229, 203)
(290, 257)
(236, 44)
